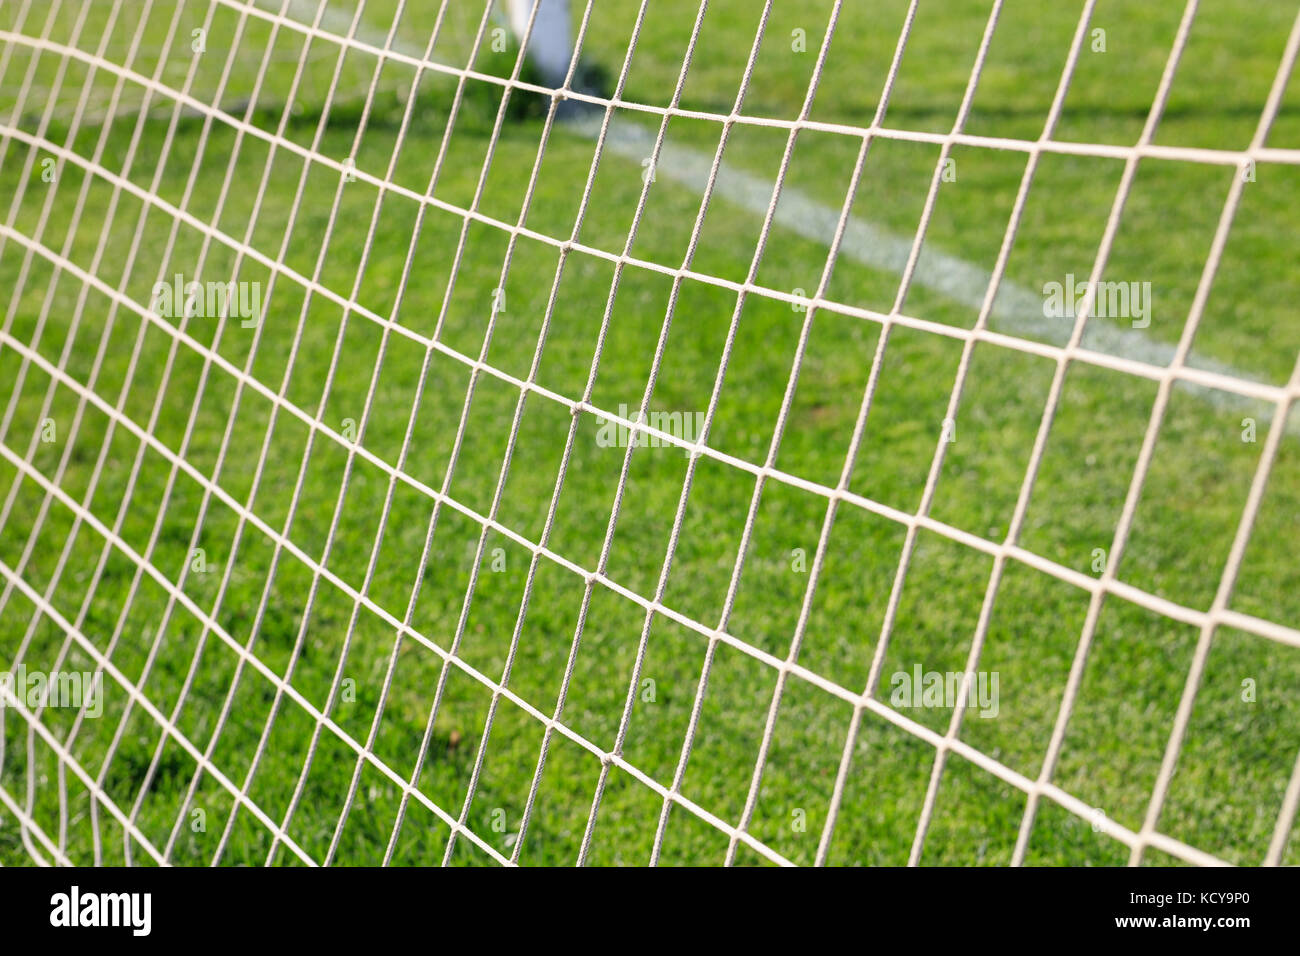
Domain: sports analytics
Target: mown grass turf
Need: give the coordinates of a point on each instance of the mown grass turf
(322, 360)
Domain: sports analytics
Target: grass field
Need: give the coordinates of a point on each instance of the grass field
(274, 421)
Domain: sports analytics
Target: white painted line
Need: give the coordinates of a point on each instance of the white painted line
(1018, 309)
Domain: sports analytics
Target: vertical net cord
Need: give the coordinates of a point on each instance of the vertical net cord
(1040, 440)
(728, 602)
(195, 405)
(60, 470)
(1150, 438)
(846, 472)
(257, 479)
(692, 245)
(137, 463)
(1075, 679)
(44, 845)
(1232, 567)
(365, 418)
(74, 428)
(42, 222)
(410, 426)
(306, 456)
(227, 435)
(607, 760)
(472, 785)
(223, 449)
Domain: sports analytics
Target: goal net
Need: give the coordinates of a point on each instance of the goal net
(539, 432)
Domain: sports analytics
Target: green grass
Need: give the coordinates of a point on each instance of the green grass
(1238, 755)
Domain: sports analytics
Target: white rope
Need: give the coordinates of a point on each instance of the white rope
(145, 98)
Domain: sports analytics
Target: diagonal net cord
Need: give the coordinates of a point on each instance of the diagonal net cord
(227, 435)
(39, 230)
(472, 785)
(99, 464)
(1139, 841)
(350, 461)
(947, 275)
(1232, 567)
(1057, 383)
(846, 472)
(743, 549)
(183, 101)
(101, 351)
(1264, 628)
(609, 761)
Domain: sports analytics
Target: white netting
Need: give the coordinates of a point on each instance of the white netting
(76, 75)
